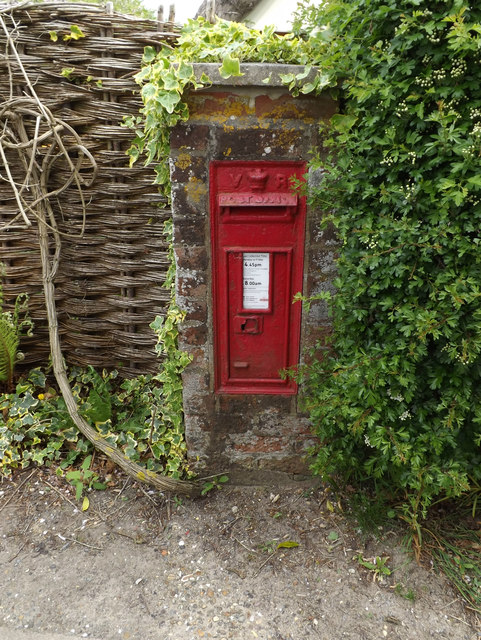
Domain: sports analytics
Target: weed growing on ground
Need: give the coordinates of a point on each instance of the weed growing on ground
(377, 566)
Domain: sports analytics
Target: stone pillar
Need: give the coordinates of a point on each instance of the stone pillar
(241, 118)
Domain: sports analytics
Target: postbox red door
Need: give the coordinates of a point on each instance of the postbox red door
(257, 225)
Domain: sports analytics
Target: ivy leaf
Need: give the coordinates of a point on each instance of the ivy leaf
(171, 82)
(287, 78)
(169, 100)
(67, 72)
(148, 91)
(100, 405)
(309, 87)
(149, 55)
(142, 75)
(230, 67)
(53, 36)
(75, 33)
(37, 378)
(185, 71)
(321, 81)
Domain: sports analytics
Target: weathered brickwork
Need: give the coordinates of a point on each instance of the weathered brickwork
(243, 120)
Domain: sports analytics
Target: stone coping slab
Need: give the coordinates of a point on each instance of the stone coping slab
(254, 74)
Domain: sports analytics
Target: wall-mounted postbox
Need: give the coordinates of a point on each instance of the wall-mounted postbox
(257, 235)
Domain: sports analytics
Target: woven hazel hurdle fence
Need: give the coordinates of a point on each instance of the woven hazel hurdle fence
(109, 281)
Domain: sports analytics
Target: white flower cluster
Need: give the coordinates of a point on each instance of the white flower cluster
(370, 242)
(425, 82)
(402, 108)
(475, 114)
(409, 191)
(469, 152)
(439, 74)
(405, 415)
(464, 358)
(452, 104)
(477, 130)
(388, 160)
(367, 441)
(433, 39)
(412, 156)
(399, 397)
(458, 68)
(450, 107)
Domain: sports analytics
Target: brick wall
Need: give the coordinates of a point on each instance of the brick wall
(241, 119)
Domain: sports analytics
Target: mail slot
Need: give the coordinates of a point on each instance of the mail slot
(257, 239)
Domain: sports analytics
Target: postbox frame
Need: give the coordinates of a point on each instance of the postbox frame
(285, 208)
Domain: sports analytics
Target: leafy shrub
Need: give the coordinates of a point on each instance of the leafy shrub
(131, 415)
(142, 416)
(36, 426)
(397, 397)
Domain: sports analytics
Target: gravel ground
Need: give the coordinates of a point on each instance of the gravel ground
(141, 566)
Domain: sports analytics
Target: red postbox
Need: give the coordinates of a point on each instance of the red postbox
(257, 235)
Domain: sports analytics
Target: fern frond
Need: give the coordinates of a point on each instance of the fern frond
(9, 341)
(21, 319)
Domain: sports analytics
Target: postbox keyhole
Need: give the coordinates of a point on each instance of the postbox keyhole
(250, 325)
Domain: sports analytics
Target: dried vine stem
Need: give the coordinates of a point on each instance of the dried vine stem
(33, 198)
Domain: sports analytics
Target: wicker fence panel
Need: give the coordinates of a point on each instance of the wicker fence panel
(109, 285)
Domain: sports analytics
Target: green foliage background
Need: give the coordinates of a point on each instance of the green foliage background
(397, 398)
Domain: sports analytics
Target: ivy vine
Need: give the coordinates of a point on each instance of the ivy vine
(168, 73)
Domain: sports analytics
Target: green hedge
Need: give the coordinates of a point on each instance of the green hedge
(397, 399)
